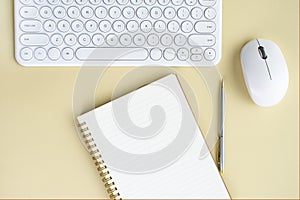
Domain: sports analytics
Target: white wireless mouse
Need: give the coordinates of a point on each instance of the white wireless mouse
(265, 72)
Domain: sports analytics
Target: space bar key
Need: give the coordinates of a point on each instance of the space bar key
(111, 54)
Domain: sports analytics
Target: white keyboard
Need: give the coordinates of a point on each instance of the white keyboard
(118, 32)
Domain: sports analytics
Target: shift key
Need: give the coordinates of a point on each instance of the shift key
(34, 39)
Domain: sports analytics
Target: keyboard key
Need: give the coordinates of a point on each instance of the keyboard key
(56, 39)
(40, 54)
(119, 26)
(208, 2)
(125, 39)
(67, 54)
(114, 12)
(196, 51)
(163, 2)
(34, 39)
(46, 12)
(81, 2)
(190, 2)
(63, 26)
(128, 12)
(173, 26)
(31, 26)
(166, 40)
(177, 2)
(169, 54)
(70, 39)
(210, 54)
(196, 13)
(54, 54)
(139, 39)
(73, 12)
(112, 39)
(153, 40)
(155, 12)
(132, 26)
(84, 39)
(180, 40)
(59, 12)
(101, 12)
(202, 40)
(183, 13)
(142, 12)
(49, 26)
(26, 54)
(77, 26)
(136, 2)
(91, 26)
(53, 2)
(68, 2)
(109, 2)
(25, 2)
(29, 12)
(187, 26)
(205, 27)
(105, 54)
(40, 2)
(150, 2)
(122, 2)
(146, 26)
(159, 26)
(95, 2)
(210, 13)
(196, 57)
(87, 12)
(169, 13)
(98, 39)
(183, 54)
(155, 54)
(105, 26)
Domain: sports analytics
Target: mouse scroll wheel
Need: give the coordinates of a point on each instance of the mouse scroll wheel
(262, 52)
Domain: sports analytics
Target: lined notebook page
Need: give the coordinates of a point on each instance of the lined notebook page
(151, 144)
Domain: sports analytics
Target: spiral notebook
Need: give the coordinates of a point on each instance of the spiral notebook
(146, 145)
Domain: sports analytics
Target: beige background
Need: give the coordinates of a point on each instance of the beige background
(42, 157)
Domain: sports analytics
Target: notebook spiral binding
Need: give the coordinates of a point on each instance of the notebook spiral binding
(99, 162)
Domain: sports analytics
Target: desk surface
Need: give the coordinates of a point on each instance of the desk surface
(41, 155)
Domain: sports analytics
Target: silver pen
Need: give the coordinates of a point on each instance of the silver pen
(221, 133)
